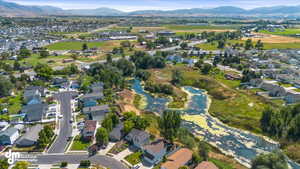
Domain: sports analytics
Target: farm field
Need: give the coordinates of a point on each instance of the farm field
(286, 32)
(76, 45)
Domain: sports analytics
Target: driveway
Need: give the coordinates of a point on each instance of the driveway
(75, 159)
(123, 154)
(65, 127)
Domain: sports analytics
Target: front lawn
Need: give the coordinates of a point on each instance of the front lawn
(134, 158)
(80, 144)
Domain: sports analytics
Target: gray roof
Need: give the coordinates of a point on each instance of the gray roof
(102, 108)
(34, 112)
(32, 134)
(117, 133)
(9, 132)
(135, 133)
(92, 96)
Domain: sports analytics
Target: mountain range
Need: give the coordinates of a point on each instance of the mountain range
(15, 10)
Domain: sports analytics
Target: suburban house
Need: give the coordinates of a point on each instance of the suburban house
(9, 136)
(32, 96)
(117, 133)
(60, 82)
(180, 158)
(30, 137)
(138, 138)
(277, 91)
(92, 96)
(97, 87)
(292, 97)
(206, 165)
(96, 112)
(153, 153)
(35, 112)
(89, 129)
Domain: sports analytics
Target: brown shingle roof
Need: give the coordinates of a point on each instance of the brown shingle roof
(90, 125)
(155, 147)
(178, 159)
(206, 165)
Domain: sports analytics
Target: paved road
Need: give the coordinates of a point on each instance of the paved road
(75, 159)
(65, 126)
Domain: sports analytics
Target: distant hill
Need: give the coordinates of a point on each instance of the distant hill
(96, 12)
(13, 9)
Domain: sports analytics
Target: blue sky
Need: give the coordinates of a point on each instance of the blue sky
(131, 5)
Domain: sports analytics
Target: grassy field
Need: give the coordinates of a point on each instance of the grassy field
(79, 144)
(35, 59)
(14, 103)
(76, 45)
(267, 46)
(286, 32)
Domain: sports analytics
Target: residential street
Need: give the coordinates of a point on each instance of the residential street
(75, 159)
(65, 126)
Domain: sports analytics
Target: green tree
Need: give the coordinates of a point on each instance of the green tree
(21, 165)
(274, 160)
(84, 47)
(109, 58)
(176, 77)
(63, 164)
(184, 167)
(102, 137)
(206, 68)
(248, 44)
(43, 71)
(140, 123)
(221, 44)
(128, 126)
(107, 124)
(4, 163)
(203, 150)
(5, 86)
(24, 52)
(85, 163)
(44, 53)
(184, 45)
(169, 124)
(129, 115)
(259, 45)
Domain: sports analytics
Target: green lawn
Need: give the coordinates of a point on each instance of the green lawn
(75, 45)
(79, 144)
(35, 58)
(208, 46)
(134, 158)
(286, 32)
(14, 103)
(281, 45)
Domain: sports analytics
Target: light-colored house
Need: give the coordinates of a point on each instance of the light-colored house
(292, 97)
(138, 138)
(30, 137)
(9, 136)
(96, 112)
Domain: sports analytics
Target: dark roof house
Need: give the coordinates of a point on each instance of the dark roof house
(138, 138)
(117, 134)
(34, 112)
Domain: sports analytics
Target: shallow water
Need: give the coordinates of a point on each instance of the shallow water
(242, 145)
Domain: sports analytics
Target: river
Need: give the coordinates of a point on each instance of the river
(242, 145)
